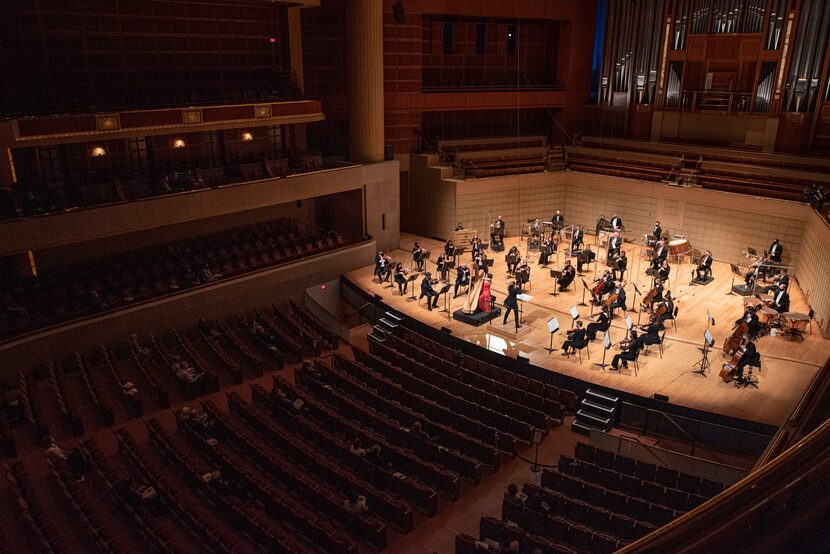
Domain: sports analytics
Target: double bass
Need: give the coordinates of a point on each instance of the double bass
(729, 367)
(734, 340)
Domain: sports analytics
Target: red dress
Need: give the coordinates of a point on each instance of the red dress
(484, 298)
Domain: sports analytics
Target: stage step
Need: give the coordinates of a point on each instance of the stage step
(597, 410)
(388, 326)
(607, 411)
(593, 420)
(377, 338)
(601, 397)
(392, 316)
(583, 428)
(379, 330)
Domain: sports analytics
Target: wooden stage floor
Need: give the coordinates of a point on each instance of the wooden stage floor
(787, 365)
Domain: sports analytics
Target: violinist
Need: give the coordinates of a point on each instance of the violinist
(427, 290)
(629, 354)
(382, 268)
(620, 264)
(704, 268)
(512, 259)
(601, 323)
(418, 256)
(400, 278)
(522, 274)
(584, 256)
(751, 319)
(568, 275)
(443, 266)
(462, 278)
(548, 247)
(577, 338)
(663, 272)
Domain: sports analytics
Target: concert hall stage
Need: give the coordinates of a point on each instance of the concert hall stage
(787, 365)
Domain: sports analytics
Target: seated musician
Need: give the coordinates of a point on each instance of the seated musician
(462, 278)
(601, 323)
(427, 290)
(498, 227)
(449, 249)
(658, 286)
(548, 248)
(459, 227)
(620, 301)
(382, 268)
(663, 272)
(476, 245)
(629, 354)
(496, 241)
(620, 264)
(577, 338)
(400, 278)
(781, 300)
(614, 245)
(669, 313)
(512, 259)
(749, 357)
(606, 286)
(443, 266)
(704, 268)
(656, 234)
(616, 222)
(751, 275)
(778, 280)
(417, 256)
(751, 319)
(660, 255)
(584, 256)
(578, 238)
(568, 274)
(522, 274)
(481, 262)
(651, 335)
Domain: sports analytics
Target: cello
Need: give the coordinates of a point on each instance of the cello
(648, 299)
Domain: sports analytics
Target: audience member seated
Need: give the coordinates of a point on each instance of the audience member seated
(73, 458)
(356, 504)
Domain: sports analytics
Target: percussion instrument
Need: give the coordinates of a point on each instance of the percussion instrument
(767, 316)
(752, 301)
(678, 247)
(796, 322)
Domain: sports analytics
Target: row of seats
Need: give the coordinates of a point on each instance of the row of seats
(31, 508)
(628, 169)
(116, 281)
(521, 388)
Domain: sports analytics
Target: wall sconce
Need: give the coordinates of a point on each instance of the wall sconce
(247, 136)
(98, 151)
(179, 143)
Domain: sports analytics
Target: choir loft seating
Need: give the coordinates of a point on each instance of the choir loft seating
(114, 282)
(491, 156)
(758, 174)
(595, 502)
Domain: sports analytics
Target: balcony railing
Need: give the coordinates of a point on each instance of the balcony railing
(713, 102)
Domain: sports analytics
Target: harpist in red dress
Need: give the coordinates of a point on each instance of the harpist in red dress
(485, 297)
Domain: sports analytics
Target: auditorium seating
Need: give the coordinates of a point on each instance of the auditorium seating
(109, 283)
(491, 156)
(596, 502)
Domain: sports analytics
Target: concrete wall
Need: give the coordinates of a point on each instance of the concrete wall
(813, 267)
(218, 300)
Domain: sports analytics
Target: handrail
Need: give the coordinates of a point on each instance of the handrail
(636, 439)
(683, 431)
(358, 311)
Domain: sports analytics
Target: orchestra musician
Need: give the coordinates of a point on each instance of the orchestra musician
(497, 235)
(476, 245)
(651, 335)
(781, 300)
(485, 298)
(619, 264)
(548, 247)
(427, 290)
(668, 313)
(704, 268)
(654, 295)
(511, 303)
(629, 354)
(778, 280)
(660, 255)
(418, 256)
(775, 251)
(604, 285)
(751, 318)
(558, 221)
(584, 256)
(656, 233)
(616, 222)
(577, 338)
(601, 323)
(498, 227)
(459, 227)
(620, 301)
(614, 245)
(400, 278)
(568, 275)
(578, 238)
(749, 357)
(462, 278)
(512, 259)
(481, 262)
(663, 272)
(443, 266)
(449, 250)
(382, 267)
(522, 274)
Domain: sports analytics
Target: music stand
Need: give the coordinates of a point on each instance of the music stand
(584, 288)
(444, 290)
(703, 364)
(634, 300)
(629, 325)
(606, 343)
(411, 281)
(553, 327)
(556, 274)
(574, 313)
